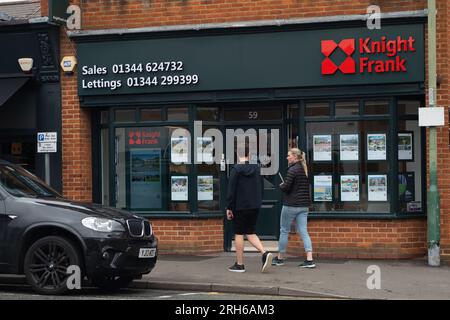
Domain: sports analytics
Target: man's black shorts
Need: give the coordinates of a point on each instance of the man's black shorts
(244, 221)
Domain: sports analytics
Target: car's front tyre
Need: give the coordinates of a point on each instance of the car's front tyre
(46, 263)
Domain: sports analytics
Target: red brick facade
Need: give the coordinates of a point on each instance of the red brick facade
(331, 237)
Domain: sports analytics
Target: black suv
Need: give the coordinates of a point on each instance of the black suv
(43, 234)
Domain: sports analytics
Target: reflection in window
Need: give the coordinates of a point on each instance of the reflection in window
(125, 115)
(376, 107)
(178, 114)
(347, 108)
(317, 109)
(208, 114)
(409, 107)
(151, 115)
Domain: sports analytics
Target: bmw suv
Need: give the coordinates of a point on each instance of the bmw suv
(42, 235)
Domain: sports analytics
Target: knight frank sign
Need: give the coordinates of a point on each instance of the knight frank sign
(368, 48)
(234, 61)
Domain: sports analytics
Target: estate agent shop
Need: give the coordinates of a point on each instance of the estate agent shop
(347, 95)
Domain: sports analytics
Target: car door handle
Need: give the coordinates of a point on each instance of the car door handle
(12, 217)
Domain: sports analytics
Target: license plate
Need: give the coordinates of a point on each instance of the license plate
(147, 252)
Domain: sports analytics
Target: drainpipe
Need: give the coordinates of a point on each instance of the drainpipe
(433, 206)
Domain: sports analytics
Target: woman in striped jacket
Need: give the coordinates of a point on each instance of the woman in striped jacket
(296, 203)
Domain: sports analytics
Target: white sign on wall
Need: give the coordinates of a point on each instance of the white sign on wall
(431, 117)
(46, 142)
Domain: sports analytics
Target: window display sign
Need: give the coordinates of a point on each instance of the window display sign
(323, 188)
(349, 147)
(377, 187)
(405, 146)
(179, 187)
(205, 149)
(350, 188)
(406, 187)
(322, 147)
(376, 146)
(179, 149)
(145, 179)
(205, 188)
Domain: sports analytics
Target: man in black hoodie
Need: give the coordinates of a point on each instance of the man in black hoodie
(244, 198)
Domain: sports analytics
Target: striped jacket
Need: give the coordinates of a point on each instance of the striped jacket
(296, 187)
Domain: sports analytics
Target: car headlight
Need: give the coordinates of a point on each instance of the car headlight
(102, 225)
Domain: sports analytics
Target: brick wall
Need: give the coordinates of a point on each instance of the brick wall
(138, 13)
(364, 239)
(330, 237)
(189, 236)
(76, 135)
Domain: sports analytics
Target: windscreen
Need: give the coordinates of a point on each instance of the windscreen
(20, 183)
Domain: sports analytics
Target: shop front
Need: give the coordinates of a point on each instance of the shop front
(165, 106)
(30, 100)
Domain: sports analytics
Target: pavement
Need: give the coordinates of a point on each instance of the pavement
(331, 279)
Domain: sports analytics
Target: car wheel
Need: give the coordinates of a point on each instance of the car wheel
(46, 263)
(112, 283)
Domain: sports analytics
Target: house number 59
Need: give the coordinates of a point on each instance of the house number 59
(252, 115)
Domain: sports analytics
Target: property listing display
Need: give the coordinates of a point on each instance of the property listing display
(179, 187)
(205, 188)
(405, 146)
(349, 147)
(179, 149)
(322, 147)
(377, 185)
(347, 150)
(376, 146)
(350, 188)
(323, 188)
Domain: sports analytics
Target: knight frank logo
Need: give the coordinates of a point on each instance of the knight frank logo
(375, 56)
(348, 47)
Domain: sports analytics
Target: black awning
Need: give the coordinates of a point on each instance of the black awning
(9, 86)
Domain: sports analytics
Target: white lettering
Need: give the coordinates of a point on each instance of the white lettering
(374, 281)
(74, 20)
(374, 17)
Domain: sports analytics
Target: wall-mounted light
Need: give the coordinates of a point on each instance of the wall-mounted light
(68, 64)
(26, 64)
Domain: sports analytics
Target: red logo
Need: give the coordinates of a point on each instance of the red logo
(348, 47)
(142, 137)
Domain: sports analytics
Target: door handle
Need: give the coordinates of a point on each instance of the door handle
(12, 217)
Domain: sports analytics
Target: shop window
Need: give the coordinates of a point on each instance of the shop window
(349, 167)
(128, 115)
(292, 133)
(104, 117)
(151, 169)
(317, 109)
(150, 115)
(208, 114)
(347, 108)
(293, 112)
(208, 174)
(409, 167)
(408, 107)
(177, 114)
(376, 107)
